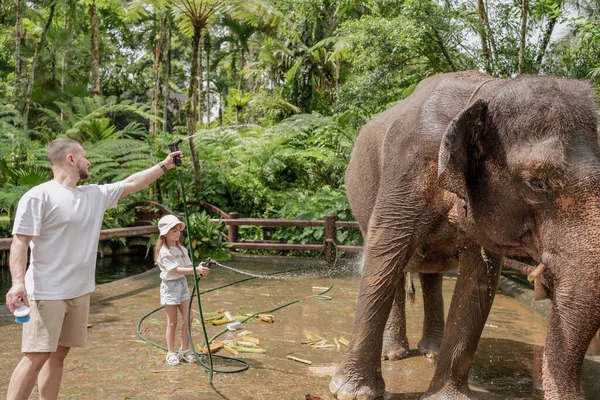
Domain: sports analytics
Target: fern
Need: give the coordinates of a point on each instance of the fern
(87, 118)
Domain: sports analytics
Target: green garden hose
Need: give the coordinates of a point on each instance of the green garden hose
(245, 364)
(196, 293)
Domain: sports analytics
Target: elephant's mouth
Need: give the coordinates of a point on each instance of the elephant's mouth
(531, 243)
(541, 284)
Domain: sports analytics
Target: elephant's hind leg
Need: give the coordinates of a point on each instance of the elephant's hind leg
(471, 303)
(395, 342)
(433, 320)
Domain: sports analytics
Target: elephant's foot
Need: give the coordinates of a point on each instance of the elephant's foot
(395, 349)
(351, 383)
(395, 343)
(450, 393)
(430, 346)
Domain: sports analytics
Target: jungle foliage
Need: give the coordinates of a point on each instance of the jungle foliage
(276, 89)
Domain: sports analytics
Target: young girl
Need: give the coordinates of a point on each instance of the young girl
(174, 264)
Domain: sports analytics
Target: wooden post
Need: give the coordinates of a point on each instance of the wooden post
(330, 238)
(232, 230)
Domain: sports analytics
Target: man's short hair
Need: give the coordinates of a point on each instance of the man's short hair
(59, 148)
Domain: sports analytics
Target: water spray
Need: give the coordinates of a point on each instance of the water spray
(210, 261)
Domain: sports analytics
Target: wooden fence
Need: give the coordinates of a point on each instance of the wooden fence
(147, 211)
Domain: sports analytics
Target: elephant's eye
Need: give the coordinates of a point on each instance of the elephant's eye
(536, 183)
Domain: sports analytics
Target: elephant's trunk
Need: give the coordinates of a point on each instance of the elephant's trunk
(574, 321)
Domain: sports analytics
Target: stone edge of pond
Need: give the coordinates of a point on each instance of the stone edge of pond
(525, 296)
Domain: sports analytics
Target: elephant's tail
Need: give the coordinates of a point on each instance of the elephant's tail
(410, 288)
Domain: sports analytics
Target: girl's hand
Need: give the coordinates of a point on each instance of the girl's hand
(202, 271)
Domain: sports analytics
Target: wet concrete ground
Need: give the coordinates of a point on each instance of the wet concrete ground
(116, 364)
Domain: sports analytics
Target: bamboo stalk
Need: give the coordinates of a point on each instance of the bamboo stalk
(214, 347)
(246, 338)
(160, 371)
(246, 344)
(300, 360)
(266, 318)
(242, 349)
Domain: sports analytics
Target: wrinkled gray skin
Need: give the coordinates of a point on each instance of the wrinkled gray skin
(467, 163)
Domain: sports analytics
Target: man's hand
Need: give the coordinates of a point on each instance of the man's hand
(14, 296)
(169, 162)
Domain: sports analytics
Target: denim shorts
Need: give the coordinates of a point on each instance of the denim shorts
(174, 292)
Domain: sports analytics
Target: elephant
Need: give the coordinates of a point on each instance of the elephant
(465, 171)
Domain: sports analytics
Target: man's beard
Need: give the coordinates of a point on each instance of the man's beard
(83, 174)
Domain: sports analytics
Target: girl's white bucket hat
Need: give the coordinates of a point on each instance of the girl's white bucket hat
(166, 223)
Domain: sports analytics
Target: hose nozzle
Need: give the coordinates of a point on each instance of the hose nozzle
(209, 262)
(174, 146)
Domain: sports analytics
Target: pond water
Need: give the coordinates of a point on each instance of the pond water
(108, 269)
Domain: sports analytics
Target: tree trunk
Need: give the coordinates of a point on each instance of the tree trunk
(166, 91)
(241, 67)
(545, 41)
(38, 50)
(67, 56)
(440, 42)
(483, 36)
(159, 48)
(493, 55)
(207, 52)
(220, 109)
(94, 51)
(525, 6)
(193, 98)
(338, 74)
(18, 66)
(199, 77)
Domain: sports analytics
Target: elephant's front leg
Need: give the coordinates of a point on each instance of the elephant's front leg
(387, 249)
(359, 374)
(471, 303)
(395, 342)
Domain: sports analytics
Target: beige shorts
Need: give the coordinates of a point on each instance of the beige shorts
(56, 322)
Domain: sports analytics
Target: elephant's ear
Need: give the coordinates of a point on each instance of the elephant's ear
(460, 147)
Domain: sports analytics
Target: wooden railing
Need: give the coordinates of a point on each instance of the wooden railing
(146, 212)
(328, 247)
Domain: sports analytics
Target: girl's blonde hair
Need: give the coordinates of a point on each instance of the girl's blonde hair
(160, 242)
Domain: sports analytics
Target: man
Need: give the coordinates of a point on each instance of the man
(61, 223)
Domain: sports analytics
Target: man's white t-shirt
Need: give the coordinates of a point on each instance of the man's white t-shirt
(65, 224)
(171, 258)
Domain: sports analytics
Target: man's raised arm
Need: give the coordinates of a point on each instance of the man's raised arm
(141, 179)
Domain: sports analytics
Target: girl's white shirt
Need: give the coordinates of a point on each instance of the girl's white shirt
(169, 258)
